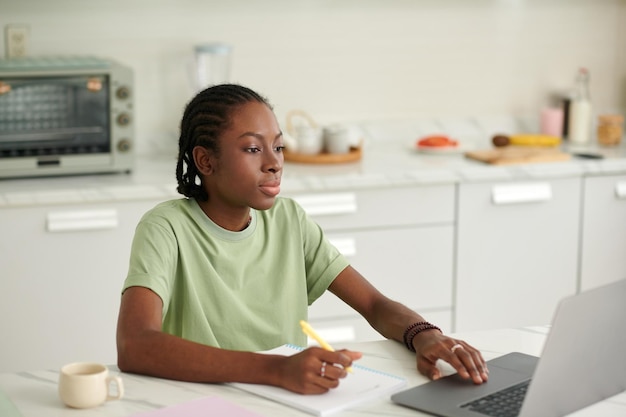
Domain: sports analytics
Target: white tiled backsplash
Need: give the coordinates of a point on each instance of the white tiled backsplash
(347, 60)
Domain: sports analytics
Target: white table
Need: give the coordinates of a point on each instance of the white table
(35, 392)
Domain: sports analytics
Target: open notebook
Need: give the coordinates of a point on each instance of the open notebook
(361, 385)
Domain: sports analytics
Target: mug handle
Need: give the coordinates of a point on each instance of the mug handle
(298, 114)
(120, 388)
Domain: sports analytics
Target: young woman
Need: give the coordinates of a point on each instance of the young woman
(231, 268)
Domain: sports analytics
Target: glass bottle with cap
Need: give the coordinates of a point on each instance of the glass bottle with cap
(579, 129)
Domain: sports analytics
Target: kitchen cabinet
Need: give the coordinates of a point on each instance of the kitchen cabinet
(63, 268)
(401, 239)
(603, 243)
(516, 253)
(67, 263)
(469, 247)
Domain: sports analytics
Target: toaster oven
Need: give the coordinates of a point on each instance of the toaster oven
(65, 115)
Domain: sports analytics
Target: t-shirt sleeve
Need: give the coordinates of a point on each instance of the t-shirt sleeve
(153, 259)
(323, 261)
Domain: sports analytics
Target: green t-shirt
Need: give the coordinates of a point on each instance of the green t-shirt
(243, 290)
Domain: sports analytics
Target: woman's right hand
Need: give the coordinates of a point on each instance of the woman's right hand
(315, 370)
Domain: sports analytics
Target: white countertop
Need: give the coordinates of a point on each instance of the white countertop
(384, 164)
(34, 392)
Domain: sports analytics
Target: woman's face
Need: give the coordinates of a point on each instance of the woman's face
(248, 169)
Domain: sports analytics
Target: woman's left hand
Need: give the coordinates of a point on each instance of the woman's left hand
(431, 345)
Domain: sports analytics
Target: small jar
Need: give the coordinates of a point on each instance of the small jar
(610, 129)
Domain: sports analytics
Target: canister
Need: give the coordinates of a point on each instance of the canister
(610, 129)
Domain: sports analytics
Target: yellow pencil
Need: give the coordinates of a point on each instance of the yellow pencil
(308, 330)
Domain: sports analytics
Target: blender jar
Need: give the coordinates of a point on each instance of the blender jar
(212, 64)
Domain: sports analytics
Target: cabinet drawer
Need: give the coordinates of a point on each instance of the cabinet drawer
(63, 269)
(412, 265)
(517, 252)
(381, 207)
(604, 231)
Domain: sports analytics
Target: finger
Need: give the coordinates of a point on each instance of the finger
(316, 381)
(352, 354)
(480, 364)
(314, 388)
(327, 384)
(335, 372)
(466, 363)
(331, 371)
(452, 355)
(327, 378)
(342, 358)
(428, 368)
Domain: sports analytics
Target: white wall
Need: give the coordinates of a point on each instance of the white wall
(347, 59)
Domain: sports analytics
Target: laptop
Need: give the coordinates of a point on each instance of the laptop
(583, 362)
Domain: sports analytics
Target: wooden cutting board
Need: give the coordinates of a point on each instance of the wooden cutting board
(355, 154)
(510, 155)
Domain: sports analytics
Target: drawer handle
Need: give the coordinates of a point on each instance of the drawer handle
(521, 193)
(620, 189)
(69, 221)
(328, 204)
(345, 246)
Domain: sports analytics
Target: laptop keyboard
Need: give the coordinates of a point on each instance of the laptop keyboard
(504, 403)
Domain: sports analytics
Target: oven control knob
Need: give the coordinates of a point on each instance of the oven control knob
(123, 145)
(122, 93)
(123, 119)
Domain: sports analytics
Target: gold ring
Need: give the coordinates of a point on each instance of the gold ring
(323, 370)
(455, 347)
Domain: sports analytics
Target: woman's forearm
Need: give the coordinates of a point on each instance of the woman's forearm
(159, 354)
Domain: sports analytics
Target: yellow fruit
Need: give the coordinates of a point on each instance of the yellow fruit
(530, 139)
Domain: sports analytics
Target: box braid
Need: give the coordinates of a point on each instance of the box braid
(205, 118)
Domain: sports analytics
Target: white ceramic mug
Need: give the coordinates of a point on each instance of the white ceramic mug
(86, 385)
(310, 139)
(337, 139)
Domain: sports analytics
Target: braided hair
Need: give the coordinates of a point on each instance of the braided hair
(205, 118)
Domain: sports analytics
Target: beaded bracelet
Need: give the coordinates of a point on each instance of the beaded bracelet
(414, 329)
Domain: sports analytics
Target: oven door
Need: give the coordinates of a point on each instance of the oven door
(53, 116)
